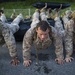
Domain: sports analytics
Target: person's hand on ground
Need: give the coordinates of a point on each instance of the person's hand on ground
(14, 61)
(59, 61)
(69, 59)
(26, 63)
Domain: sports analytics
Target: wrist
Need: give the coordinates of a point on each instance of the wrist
(15, 57)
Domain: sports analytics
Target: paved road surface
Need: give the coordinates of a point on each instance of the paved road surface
(47, 65)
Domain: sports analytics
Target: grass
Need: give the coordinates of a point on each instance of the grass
(25, 12)
(28, 4)
(24, 6)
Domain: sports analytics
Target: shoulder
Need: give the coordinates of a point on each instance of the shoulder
(30, 32)
(29, 35)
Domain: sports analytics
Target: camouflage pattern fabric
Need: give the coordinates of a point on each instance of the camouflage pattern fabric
(29, 40)
(9, 39)
(69, 38)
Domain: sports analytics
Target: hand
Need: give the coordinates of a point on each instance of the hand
(15, 61)
(69, 59)
(26, 63)
(59, 60)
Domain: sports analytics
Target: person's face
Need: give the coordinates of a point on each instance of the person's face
(42, 34)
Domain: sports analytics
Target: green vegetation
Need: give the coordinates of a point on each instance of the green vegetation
(28, 3)
(23, 6)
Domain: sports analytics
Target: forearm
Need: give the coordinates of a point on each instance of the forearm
(26, 50)
(69, 47)
(10, 42)
(69, 44)
(58, 46)
(69, 53)
(12, 52)
(59, 51)
(26, 55)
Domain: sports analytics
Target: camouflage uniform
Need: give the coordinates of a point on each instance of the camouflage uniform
(74, 39)
(74, 36)
(73, 17)
(35, 18)
(3, 18)
(32, 38)
(65, 18)
(14, 26)
(66, 33)
(69, 38)
(9, 39)
(59, 27)
(66, 36)
(43, 14)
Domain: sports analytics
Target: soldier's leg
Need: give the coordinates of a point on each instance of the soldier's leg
(35, 19)
(14, 26)
(43, 14)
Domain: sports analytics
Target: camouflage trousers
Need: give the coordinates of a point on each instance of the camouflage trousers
(9, 39)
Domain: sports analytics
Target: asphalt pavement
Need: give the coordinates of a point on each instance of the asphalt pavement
(46, 66)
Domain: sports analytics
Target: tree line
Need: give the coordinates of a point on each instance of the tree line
(33, 0)
(10, 0)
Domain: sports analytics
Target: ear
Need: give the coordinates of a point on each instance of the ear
(36, 30)
(48, 30)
